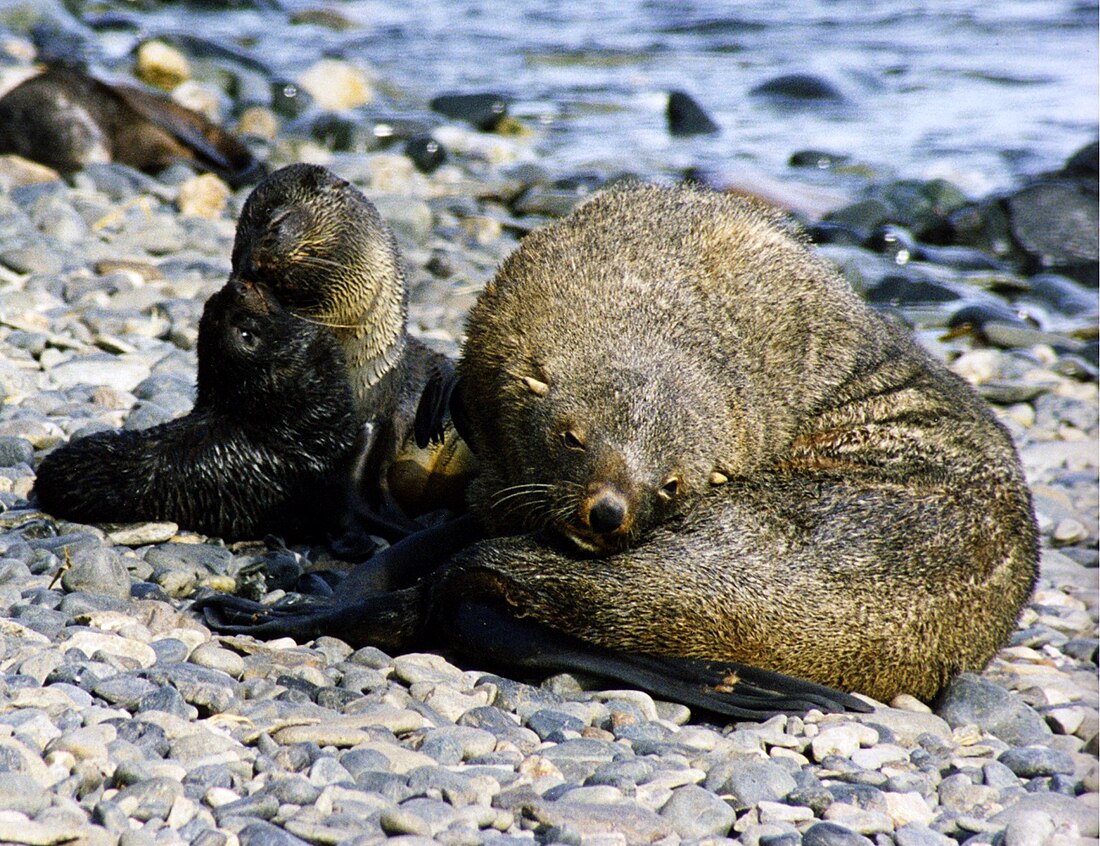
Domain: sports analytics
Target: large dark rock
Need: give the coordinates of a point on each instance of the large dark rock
(687, 117)
(798, 88)
(483, 110)
(972, 699)
(1054, 223)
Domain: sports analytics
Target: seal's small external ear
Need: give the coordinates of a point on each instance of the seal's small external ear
(535, 386)
(434, 408)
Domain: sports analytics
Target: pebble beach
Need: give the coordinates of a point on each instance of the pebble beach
(124, 721)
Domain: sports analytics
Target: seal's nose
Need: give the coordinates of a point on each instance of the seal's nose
(607, 512)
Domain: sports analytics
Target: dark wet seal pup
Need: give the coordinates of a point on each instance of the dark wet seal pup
(322, 247)
(701, 452)
(267, 449)
(67, 120)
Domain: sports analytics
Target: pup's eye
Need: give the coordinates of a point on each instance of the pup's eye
(573, 440)
(248, 339)
(670, 489)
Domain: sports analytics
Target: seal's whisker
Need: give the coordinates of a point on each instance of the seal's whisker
(317, 322)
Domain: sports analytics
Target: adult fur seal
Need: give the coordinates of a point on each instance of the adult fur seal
(322, 247)
(796, 488)
(67, 120)
(267, 448)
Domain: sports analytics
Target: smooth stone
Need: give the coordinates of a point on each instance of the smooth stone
(90, 642)
(686, 117)
(336, 85)
(1054, 223)
(214, 657)
(915, 834)
(842, 740)
(906, 725)
(1031, 828)
(637, 825)
(695, 812)
(22, 794)
(261, 833)
(143, 534)
(97, 571)
(1064, 809)
(425, 152)
(972, 699)
(119, 372)
(750, 780)
(831, 834)
(124, 690)
(798, 87)
(482, 110)
(149, 799)
(15, 450)
(906, 808)
(208, 690)
(34, 833)
(1033, 761)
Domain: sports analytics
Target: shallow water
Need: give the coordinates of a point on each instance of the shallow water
(978, 92)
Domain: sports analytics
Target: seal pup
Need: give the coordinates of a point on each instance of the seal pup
(845, 511)
(267, 449)
(321, 246)
(67, 120)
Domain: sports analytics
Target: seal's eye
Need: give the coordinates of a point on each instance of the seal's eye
(670, 489)
(247, 340)
(573, 440)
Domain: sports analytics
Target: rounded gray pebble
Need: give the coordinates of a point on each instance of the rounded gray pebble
(97, 571)
(831, 834)
(1033, 761)
(695, 812)
(972, 699)
(22, 794)
(15, 450)
(751, 780)
(915, 834)
(265, 834)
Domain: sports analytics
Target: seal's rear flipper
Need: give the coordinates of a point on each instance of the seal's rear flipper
(724, 688)
(392, 621)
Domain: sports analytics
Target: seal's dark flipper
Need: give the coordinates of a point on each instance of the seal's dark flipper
(378, 603)
(392, 621)
(727, 689)
(433, 410)
(409, 560)
(209, 144)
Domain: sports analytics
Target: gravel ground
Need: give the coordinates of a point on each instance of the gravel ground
(124, 721)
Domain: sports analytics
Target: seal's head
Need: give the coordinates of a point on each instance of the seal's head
(596, 450)
(319, 243)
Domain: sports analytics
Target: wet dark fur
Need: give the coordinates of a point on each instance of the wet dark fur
(322, 247)
(875, 532)
(266, 449)
(67, 120)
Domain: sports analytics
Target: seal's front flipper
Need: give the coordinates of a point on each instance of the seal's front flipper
(392, 621)
(724, 688)
(433, 410)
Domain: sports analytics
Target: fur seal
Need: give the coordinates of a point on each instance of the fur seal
(268, 447)
(801, 490)
(322, 247)
(66, 119)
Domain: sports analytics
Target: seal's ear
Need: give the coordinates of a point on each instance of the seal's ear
(536, 386)
(434, 408)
